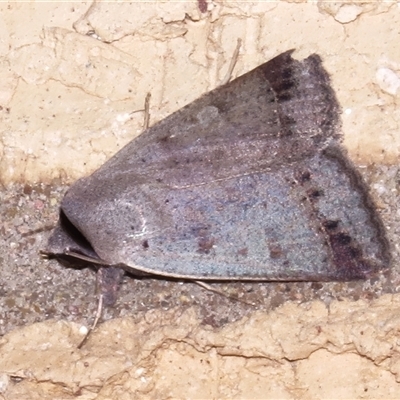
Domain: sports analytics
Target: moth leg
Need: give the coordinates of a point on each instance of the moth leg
(221, 293)
(99, 312)
(234, 59)
(146, 111)
(146, 121)
(83, 19)
(108, 282)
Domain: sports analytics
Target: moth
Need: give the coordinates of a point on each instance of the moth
(248, 182)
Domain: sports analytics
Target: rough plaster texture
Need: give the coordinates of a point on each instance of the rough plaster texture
(67, 95)
(297, 351)
(73, 75)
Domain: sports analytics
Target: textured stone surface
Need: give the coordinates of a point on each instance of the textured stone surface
(67, 95)
(297, 351)
(67, 104)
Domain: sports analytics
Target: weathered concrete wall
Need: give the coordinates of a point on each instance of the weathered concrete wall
(67, 98)
(72, 76)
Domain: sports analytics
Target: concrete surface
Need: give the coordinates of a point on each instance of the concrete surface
(73, 74)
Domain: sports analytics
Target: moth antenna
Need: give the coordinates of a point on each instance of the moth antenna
(38, 230)
(221, 293)
(82, 257)
(99, 312)
(234, 59)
